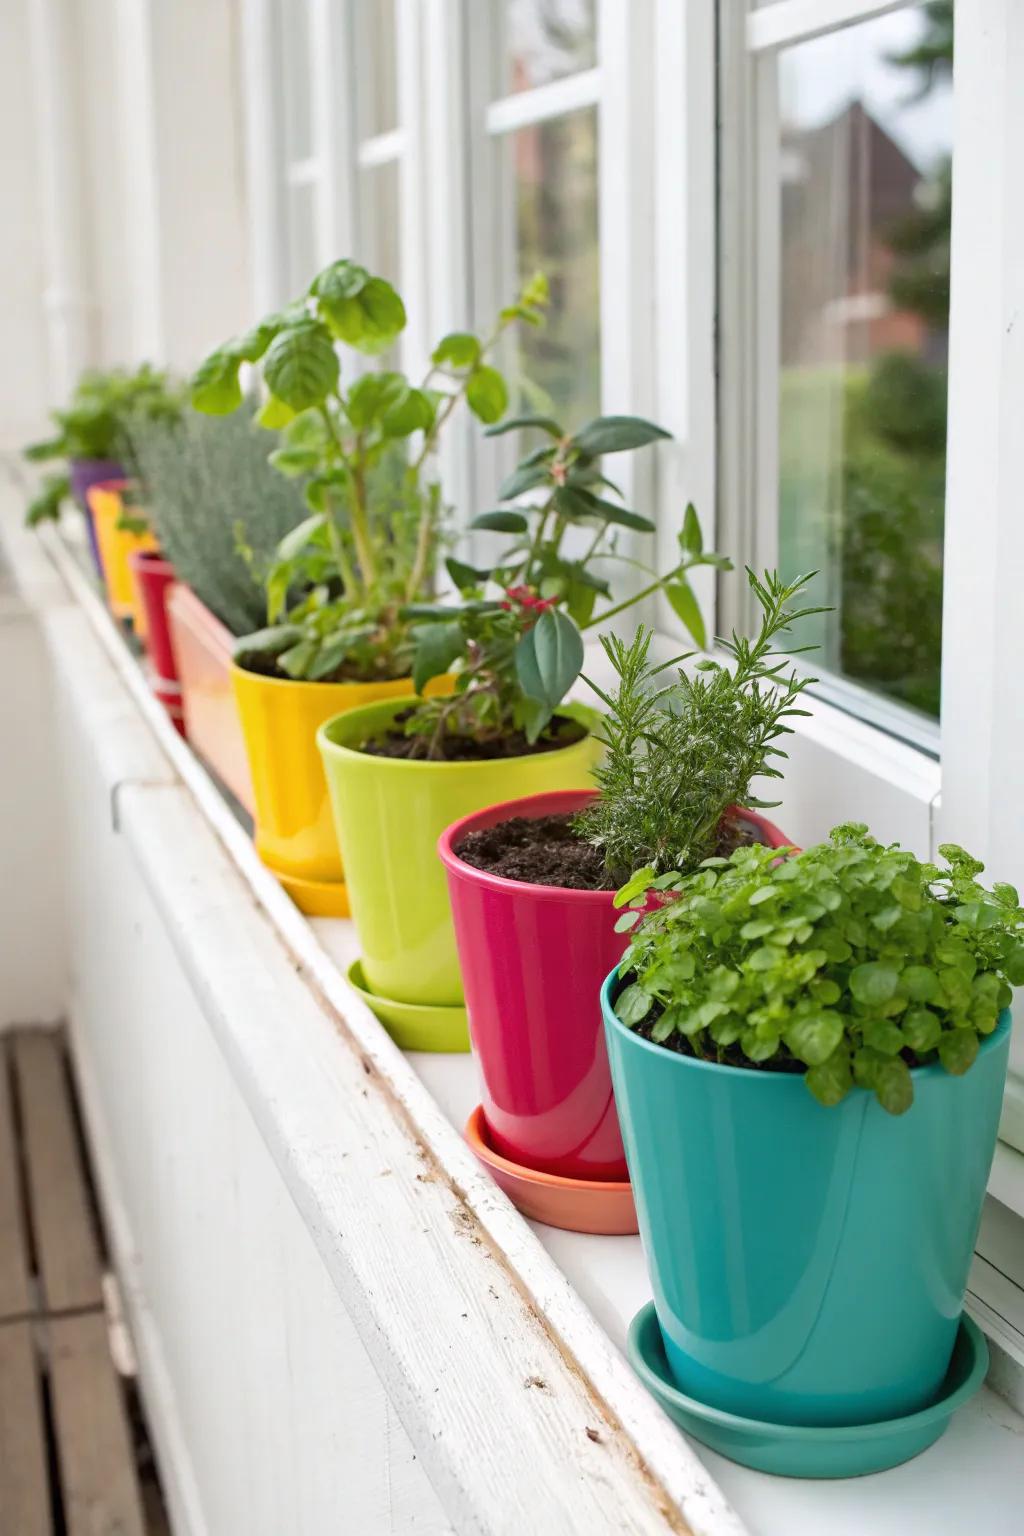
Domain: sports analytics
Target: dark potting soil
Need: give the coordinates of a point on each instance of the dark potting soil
(726, 1056)
(466, 749)
(545, 850)
(542, 850)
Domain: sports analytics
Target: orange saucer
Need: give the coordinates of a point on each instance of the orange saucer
(577, 1205)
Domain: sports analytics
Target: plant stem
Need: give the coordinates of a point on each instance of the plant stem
(610, 613)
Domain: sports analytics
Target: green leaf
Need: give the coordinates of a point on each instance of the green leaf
(958, 1049)
(45, 507)
(296, 539)
(920, 983)
(686, 607)
(215, 389)
(250, 346)
(830, 1081)
(330, 657)
(633, 1005)
(613, 434)
(549, 658)
(893, 1084)
(465, 576)
(572, 502)
(691, 540)
(486, 393)
(921, 1030)
(459, 349)
(269, 642)
(411, 411)
(501, 521)
(874, 982)
(274, 414)
(884, 1036)
(298, 661)
(813, 1037)
(521, 423)
(635, 886)
(301, 367)
(437, 646)
(525, 478)
(365, 312)
(294, 461)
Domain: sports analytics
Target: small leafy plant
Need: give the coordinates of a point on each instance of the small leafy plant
(520, 645)
(678, 756)
(852, 962)
(216, 506)
(95, 425)
(339, 581)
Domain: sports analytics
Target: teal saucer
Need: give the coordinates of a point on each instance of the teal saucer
(800, 1450)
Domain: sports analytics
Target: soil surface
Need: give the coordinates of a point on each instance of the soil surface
(542, 850)
(546, 851)
(728, 1056)
(466, 749)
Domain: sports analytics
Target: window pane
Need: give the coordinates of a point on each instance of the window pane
(293, 37)
(549, 172)
(379, 214)
(536, 41)
(302, 253)
(864, 185)
(377, 72)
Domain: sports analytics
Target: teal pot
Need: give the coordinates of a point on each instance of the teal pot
(808, 1264)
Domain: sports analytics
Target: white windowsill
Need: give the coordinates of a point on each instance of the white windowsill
(937, 1493)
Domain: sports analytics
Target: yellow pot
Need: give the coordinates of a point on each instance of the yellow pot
(294, 828)
(115, 545)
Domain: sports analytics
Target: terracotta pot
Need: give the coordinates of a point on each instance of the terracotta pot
(202, 649)
(533, 958)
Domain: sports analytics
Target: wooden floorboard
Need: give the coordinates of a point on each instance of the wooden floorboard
(15, 1289)
(97, 1462)
(67, 1454)
(24, 1482)
(67, 1251)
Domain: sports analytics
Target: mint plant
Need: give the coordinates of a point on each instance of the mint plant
(852, 962)
(517, 629)
(365, 450)
(96, 425)
(679, 755)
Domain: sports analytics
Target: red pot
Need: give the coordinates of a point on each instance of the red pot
(152, 576)
(533, 958)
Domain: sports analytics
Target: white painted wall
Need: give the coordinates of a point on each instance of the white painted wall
(122, 190)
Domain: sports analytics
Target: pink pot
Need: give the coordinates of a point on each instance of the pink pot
(533, 958)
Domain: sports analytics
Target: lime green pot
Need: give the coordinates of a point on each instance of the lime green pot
(389, 813)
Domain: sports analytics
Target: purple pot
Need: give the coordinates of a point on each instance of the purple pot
(84, 474)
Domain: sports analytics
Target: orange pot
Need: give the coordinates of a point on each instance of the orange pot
(116, 546)
(202, 649)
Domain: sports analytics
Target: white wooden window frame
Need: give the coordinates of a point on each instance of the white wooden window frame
(680, 280)
(850, 760)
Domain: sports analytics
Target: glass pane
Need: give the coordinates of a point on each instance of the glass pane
(379, 214)
(550, 173)
(864, 172)
(293, 39)
(302, 253)
(536, 41)
(377, 72)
